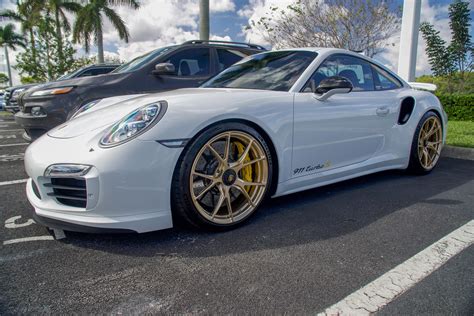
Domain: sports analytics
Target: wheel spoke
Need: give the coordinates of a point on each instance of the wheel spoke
(229, 204)
(245, 153)
(433, 129)
(216, 154)
(219, 202)
(430, 146)
(227, 147)
(203, 192)
(427, 157)
(243, 183)
(245, 194)
(251, 162)
(202, 175)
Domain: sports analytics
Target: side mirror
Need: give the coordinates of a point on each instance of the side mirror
(331, 86)
(164, 69)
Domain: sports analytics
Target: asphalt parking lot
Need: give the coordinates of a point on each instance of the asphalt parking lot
(299, 255)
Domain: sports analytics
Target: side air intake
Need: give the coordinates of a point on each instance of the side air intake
(406, 108)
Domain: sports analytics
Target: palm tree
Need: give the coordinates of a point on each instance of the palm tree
(89, 23)
(10, 39)
(28, 14)
(58, 8)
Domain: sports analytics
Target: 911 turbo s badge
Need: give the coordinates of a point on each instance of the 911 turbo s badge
(325, 165)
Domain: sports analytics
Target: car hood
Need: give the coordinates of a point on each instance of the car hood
(110, 110)
(21, 87)
(84, 81)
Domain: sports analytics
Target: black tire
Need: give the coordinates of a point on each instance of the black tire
(183, 207)
(415, 166)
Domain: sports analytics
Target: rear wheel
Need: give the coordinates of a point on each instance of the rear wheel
(427, 144)
(223, 177)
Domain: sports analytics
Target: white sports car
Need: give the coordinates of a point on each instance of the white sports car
(273, 124)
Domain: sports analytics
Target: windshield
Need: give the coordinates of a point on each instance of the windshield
(141, 60)
(70, 75)
(276, 71)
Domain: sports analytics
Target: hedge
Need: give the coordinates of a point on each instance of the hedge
(460, 107)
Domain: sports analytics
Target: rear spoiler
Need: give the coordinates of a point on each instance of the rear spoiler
(423, 86)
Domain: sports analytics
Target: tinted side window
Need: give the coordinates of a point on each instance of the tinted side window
(384, 81)
(86, 73)
(228, 57)
(356, 70)
(191, 62)
(101, 71)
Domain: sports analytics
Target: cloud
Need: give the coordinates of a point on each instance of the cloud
(160, 22)
(255, 10)
(435, 14)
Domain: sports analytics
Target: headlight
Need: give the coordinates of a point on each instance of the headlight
(62, 90)
(17, 92)
(86, 107)
(133, 125)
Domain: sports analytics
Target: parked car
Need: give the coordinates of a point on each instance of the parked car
(2, 102)
(166, 68)
(12, 94)
(273, 124)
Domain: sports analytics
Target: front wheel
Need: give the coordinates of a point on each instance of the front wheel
(427, 144)
(223, 177)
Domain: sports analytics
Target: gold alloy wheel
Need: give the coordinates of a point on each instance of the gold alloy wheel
(229, 177)
(430, 142)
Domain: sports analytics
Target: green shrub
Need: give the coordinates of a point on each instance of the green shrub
(460, 107)
(456, 83)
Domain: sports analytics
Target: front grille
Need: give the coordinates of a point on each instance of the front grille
(69, 191)
(21, 104)
(7, 96)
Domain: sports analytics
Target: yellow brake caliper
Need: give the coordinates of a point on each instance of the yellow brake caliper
(246, 171)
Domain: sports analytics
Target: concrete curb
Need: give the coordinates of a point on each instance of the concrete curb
(458, 152)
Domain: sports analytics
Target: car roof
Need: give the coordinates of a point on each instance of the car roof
(227, 44)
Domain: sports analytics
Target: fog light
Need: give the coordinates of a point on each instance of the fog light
(37, 111)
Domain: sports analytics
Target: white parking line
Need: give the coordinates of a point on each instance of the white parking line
(26, 239)
(11, 130)
(8, 136)
(13, 182)
(17, 144)
(375, 295)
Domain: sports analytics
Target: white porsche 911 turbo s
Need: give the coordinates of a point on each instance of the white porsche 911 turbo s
(273, 124)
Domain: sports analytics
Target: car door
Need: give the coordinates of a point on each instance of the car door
(344, 129)
(193, 66)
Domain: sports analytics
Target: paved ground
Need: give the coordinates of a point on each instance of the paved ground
(300, 254)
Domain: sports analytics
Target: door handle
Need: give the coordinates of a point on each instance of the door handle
(382, 111)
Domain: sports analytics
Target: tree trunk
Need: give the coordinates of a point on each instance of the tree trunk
(7, 61)
(59, 38)
(100, 46)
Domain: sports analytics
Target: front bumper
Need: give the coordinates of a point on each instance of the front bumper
(36, 126)
(128, 186)
(12, 108)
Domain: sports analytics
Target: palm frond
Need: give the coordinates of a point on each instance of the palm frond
(131, 3)
(71, 6)
(10, 38)
(118, 23)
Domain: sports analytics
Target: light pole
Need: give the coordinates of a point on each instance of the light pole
(409, 39)
(204, 20)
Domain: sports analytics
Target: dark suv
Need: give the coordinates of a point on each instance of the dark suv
(12, 93)
(166, 68)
